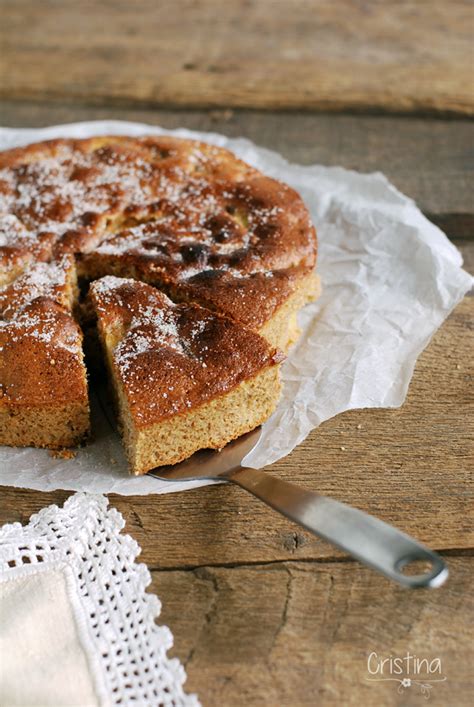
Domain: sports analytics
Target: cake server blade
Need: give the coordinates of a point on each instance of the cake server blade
(368, 539)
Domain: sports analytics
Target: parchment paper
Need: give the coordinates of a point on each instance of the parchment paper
(389, 278)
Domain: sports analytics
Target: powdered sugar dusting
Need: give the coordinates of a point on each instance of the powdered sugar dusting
(107, 287)
(151, 331)
(190, 215)
(13, 233)
(55, 193)
(44, 327)
(152, 325)
(40, 280)
(197, 208)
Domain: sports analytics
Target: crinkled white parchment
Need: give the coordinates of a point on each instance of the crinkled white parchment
(389, 276)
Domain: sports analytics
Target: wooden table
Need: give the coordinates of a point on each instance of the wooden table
(262, 612)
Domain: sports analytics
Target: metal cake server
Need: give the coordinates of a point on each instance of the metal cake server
(371, 541)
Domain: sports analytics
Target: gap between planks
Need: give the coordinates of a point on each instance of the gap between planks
(330, 560)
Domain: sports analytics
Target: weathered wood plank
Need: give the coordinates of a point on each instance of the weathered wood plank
(427, 159)
(318, 54)
(411, 467)
(294, 635)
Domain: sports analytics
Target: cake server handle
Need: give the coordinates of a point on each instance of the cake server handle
(368, 539)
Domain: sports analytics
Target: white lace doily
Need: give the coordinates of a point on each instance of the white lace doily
(128, 649)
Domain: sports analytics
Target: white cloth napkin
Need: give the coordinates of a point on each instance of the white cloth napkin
(389, 276)
(76, 625)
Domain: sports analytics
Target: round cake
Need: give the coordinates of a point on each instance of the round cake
(185, 217)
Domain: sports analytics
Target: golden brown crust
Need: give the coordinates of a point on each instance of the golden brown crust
(41, 360)
(250, 299)
(233, 230)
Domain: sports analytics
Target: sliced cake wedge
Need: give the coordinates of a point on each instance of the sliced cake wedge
(184, 378)
(43, 382)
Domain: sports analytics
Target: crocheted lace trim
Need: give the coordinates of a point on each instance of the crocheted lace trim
(129, 649)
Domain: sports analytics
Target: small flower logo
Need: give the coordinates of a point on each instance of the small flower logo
(406, 682)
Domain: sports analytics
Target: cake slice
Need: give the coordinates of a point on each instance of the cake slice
(43, 383)
(184, 378)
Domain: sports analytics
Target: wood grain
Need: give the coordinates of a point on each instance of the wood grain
(313, 54)
(412, 467)
(299, 634)
(428, 160)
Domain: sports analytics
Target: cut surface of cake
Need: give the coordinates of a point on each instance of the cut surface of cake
(184, 378)
(43, 382)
